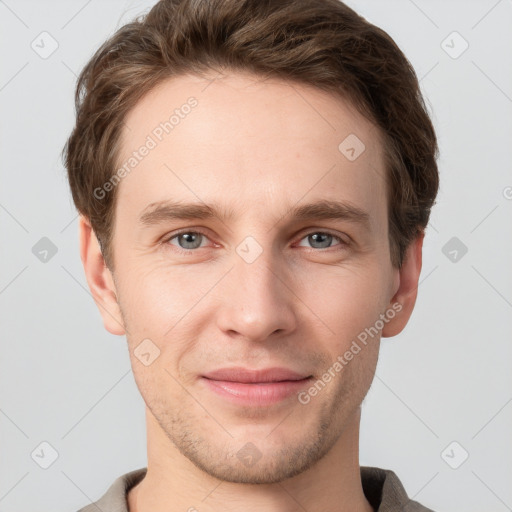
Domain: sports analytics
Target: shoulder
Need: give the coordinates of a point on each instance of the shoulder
(385, 492)
(114, 499)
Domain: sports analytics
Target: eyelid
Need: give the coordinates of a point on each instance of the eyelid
(302, 234)
(342, 237)
(167, 238)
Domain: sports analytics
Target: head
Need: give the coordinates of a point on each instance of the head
(297, 135)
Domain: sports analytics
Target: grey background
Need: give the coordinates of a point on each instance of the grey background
(66, 381)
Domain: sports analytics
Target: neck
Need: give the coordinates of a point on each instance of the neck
(172, 482)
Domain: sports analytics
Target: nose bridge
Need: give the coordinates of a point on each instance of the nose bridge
(257, 267)
(256, 302)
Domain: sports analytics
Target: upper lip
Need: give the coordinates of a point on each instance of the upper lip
(239, 374)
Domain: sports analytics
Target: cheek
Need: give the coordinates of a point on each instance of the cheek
(157, 383)
(157, 297)
(163, 308)
(344, 300)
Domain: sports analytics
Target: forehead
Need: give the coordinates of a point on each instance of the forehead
(253, 145)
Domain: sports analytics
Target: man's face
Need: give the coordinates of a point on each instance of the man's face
(257, 289)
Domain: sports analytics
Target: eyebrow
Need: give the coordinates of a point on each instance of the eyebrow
(163, 211)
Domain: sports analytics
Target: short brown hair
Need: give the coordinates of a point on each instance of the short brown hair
(322, 43)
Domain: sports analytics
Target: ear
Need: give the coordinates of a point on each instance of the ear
(99, 278)
(406, 288)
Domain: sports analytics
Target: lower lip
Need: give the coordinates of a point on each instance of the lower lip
(259, 393)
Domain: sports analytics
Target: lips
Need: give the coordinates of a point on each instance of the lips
(247, 376)
(255, 388)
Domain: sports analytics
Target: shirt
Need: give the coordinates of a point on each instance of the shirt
(382, 489)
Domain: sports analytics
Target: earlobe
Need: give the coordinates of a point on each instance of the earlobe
(99, 279)
(404, 299)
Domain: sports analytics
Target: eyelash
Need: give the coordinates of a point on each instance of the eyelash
(343, 244)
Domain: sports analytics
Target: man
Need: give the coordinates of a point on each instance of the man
(254, 180)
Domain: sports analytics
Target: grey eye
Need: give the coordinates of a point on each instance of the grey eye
(188, 240)
(321, 240)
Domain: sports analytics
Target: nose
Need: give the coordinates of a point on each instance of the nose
(257, 299)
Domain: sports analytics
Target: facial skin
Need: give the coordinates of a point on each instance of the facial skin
(257, 149)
